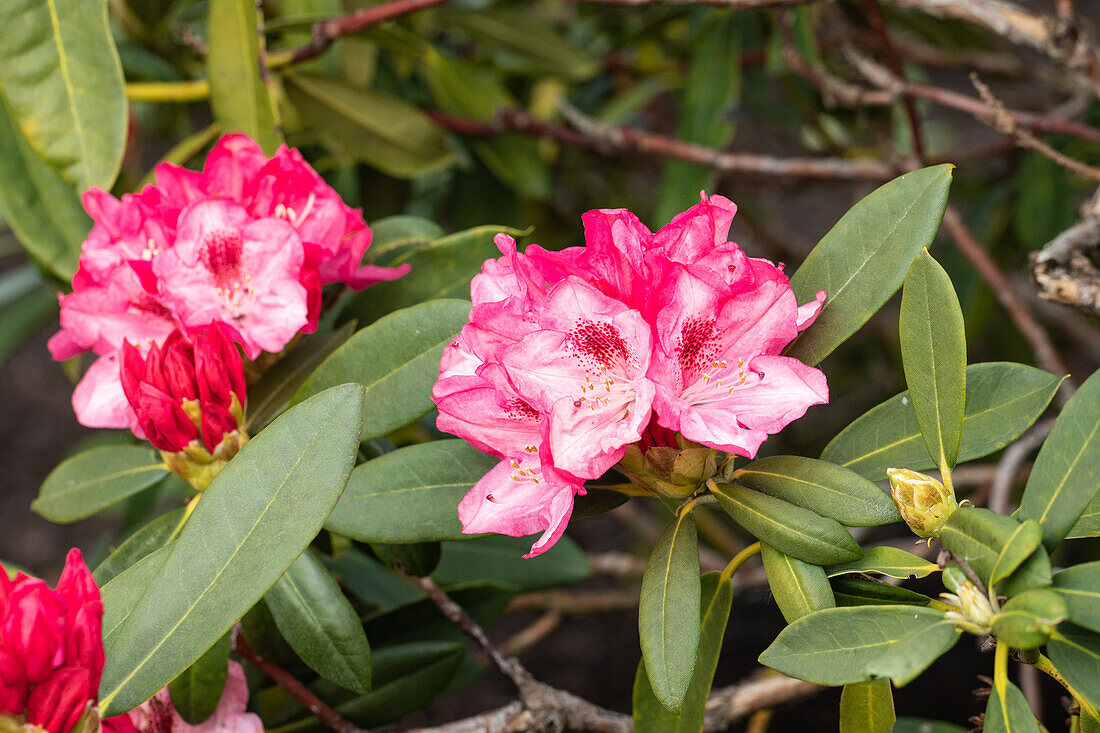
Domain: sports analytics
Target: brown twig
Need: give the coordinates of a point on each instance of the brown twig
(327, 32)
(893, 60)
(617, 564)
(728, 4)
(530, 635)
(1009, 466)
(736, 702)
(576, 602)
(1063, 270)
(1045, 353)
(295, 689)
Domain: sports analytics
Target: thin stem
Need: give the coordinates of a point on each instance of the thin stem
(1000, 668)
(1047, 667)
(168, 91)
(737, 561)
(187, 511)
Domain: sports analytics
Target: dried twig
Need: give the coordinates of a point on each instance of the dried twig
(1063, 270)
(730, 704)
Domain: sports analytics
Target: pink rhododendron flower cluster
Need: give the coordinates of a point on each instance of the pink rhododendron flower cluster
(247, 242)
(51, 647)
(157, 715)
(571, 357)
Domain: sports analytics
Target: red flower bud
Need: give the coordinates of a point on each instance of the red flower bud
(13, 683)
(119, 724)
(57, 703)
(34, 628)
(83, 617)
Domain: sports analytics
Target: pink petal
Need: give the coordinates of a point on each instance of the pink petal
(807, 313)
(98, 399)
(694, 233)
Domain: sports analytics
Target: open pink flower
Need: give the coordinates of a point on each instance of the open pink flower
(227, 266)
(158, 715)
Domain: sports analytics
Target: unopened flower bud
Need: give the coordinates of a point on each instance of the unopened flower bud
(974, 607)
(676, 471)
(924, 503)
(61, 700)
(13, 683)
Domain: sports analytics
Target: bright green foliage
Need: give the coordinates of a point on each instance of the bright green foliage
(91, 481)
(1009, 712)
(980, 536)
(889, 561)
(933, 352)
(148, 539)
(1079, 586)
(240, 100)
(1066, 475)
(1002, 401)
(1023, 541)
(788, 528)
(668, 612)
(850, 591)
(1076, 654)
(799, 588)
(862, 261)
(867, 707)
(1027, 620)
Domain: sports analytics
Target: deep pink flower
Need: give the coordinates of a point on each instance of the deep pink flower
(227, 266)
(51, 646)
(190, 388)
(158, 715)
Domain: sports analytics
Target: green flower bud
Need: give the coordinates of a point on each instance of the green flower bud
(973, 606)
(924, 503)
(198, 465)
(668, 470)
(953, 577)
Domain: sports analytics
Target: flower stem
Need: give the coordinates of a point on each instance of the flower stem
(168, 91)
(737, 561)
(187, 511)
(1045, 665)
(1000, 668)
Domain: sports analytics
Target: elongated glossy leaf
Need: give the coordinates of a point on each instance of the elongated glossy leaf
(370, 581)
(60, 73)
(146, 540)
(122, 592)
(198, 689)
(396, 360)
(1076, 654)
(250, 525)
(867, 707)
(320, 624)
(1066, 475)
(799, 588)
(1027, 620)
(1002, 401)
(1079, 587)
(461, 88)
(859, 592)
(1009, 712)
(668, 611)
(398, 236)
(275, 389)
(889, 561)
(442, 270)
(822, 487)
(978, 536)
(96, 479)
(862, 261)
(933, 352)
(839, 646)
(1088, 524)
(238, 95)
(410, 494)
(650, 716)
(790, 529)
(501, 558)
(382, 131)
(1018, 547)
(44, 212)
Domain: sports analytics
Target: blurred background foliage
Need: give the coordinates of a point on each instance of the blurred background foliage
(505, 113)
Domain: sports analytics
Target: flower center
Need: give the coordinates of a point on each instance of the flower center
(295, 218)
(608, 364)
(708, 378)
(221, 254)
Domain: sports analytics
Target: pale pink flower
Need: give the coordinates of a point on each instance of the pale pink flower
(158, 714)
(226, 266)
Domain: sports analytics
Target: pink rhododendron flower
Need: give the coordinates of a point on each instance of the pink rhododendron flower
(636, 338)
(159, 716)
(51, 646)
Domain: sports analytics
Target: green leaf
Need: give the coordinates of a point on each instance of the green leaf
(501, 558)
(250, 525)
(799, 588)
(668, 610)
(860, 592)
(91, 481)
(396, 360)
(1076, 654)
(650, 716)
(862, 261)
(1066, 474)
(1009, 713)
(923, 725)
(822, 487)
(867, 707)
(790, 529)
(1089, 724)
(410, 494)
(422, 619)
(1002, 401)
(979, 536)
(710, 98)
(238, 95)
(1027, 620)
(122, 593)
(1088, 524)
(1023, 541)
(1079, 587)
(442, 270)
(44, 212)
(382, 131)
(320, 625)
(277, 386)
(839, 646)
(419, 559)
(197, 691)
(889, 561)
(60, 74)
(933, 352)
(397, 235)
(460, 88)
(370, 581)
(149, 538)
